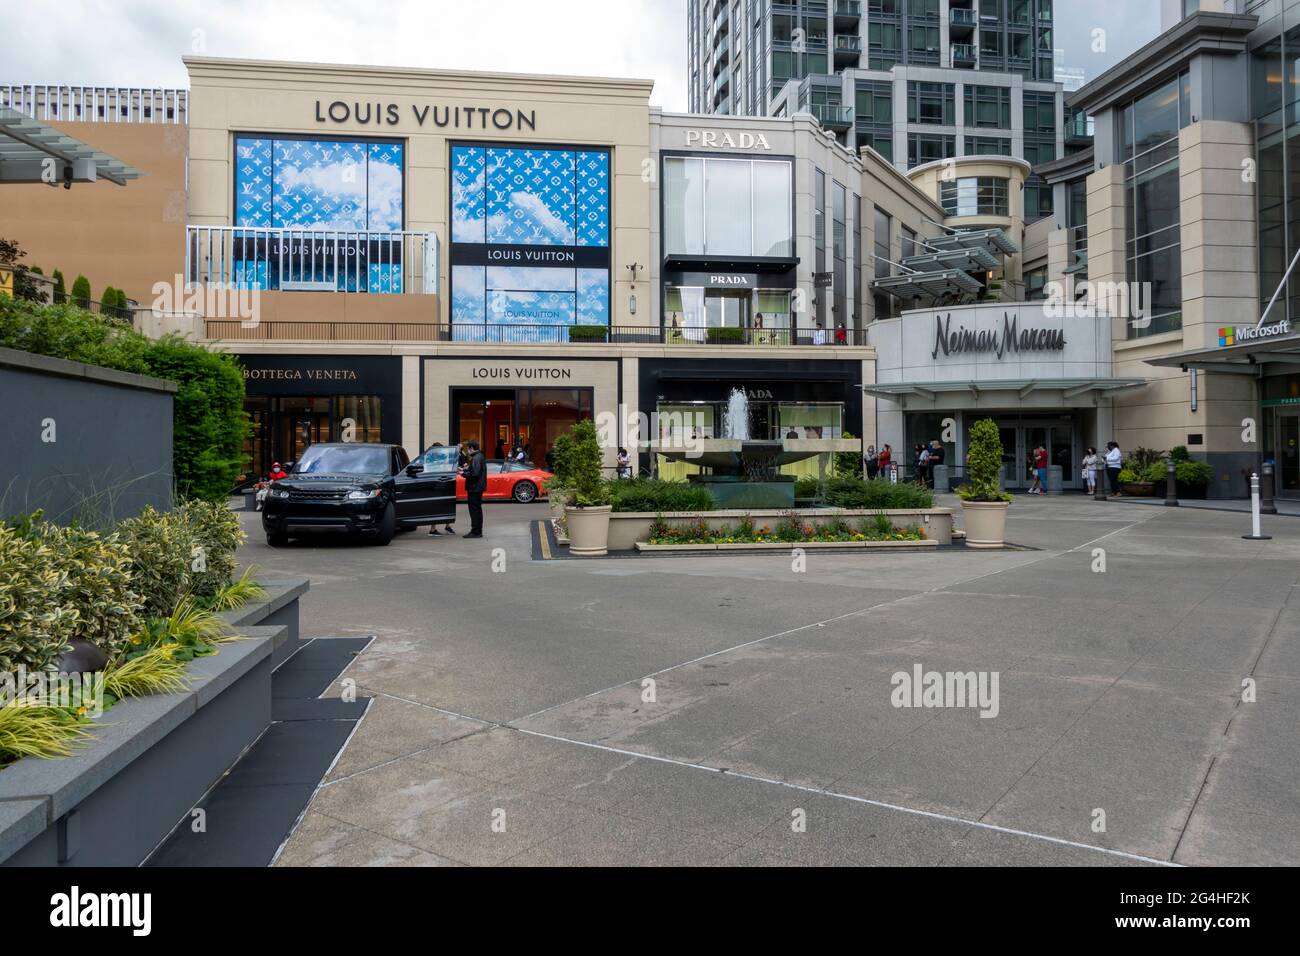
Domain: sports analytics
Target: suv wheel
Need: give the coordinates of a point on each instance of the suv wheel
(387, 526)
(525, 492)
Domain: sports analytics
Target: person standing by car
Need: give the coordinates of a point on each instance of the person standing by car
(451, 525)
(277, 472)
(1114, 464)
(475, 485)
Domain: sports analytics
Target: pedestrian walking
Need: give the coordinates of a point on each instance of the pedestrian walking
(1092, 466)
(1114, 464)
(1039, 464)
(475, 485)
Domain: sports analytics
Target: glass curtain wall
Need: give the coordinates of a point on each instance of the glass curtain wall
(1275, 101)
(1148, 143)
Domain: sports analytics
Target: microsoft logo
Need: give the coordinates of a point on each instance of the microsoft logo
(1231, 335)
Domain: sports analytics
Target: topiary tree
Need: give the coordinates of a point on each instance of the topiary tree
(984, 464)
(81, 292)
(60, 288)
(587, 461)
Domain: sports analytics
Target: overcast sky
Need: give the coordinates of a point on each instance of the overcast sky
(140, 42)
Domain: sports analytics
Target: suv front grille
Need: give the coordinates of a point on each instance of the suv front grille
(299, 495)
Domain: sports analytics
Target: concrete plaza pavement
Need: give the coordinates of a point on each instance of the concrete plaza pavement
(511, 725)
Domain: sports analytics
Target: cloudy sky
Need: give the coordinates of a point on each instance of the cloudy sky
(69, 41)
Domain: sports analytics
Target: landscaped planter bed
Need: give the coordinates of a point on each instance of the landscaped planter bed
(150, 759)
(786, 546)
(628, 529)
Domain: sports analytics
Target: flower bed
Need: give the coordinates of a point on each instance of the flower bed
(791, 529)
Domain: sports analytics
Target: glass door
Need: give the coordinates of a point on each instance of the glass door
(1288, 453)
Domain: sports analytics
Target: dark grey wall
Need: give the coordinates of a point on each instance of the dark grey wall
(112, 448)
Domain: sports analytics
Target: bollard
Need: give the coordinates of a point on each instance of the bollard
(1103, 480)
(1171, 484)
(1255, 534)
(1267, 505)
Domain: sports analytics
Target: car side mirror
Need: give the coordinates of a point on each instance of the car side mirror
(415, 468)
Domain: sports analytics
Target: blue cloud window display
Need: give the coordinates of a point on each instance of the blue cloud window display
(525, 205)
(326, 186)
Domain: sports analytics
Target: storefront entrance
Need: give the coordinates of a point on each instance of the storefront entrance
(1287, 430)
(501, 420)
(285, 427)
(1021, 436)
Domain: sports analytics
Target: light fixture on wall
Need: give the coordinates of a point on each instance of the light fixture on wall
(631, 304)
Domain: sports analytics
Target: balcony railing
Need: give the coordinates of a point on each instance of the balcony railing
(963, 53)
(97, 104)
(512, 334)
(832, 117)
(848, 10)
(848, 43)
(312, 260)
(963, 17)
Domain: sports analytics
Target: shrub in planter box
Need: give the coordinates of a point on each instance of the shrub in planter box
(727, 335)
(588, 333)
(645, 495)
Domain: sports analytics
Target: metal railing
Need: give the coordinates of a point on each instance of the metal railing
(828, 115)
(312, 260)
(963, 17)
(963, 53)
(512, 334)
(97, 104)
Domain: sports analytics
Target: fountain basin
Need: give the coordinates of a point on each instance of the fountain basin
(737, 493)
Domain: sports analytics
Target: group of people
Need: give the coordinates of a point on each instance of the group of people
(841, 334)
(471, 463)
(1112, 463)
(878, 463)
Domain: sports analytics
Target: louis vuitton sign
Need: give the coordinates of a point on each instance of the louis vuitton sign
(464, 116)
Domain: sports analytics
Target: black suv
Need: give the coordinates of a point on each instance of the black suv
(369, 490)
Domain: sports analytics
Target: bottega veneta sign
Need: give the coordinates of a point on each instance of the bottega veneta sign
(1011, 339)
(299, 374)
(442, 117)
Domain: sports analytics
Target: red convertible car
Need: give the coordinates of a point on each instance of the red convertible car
(521, 480)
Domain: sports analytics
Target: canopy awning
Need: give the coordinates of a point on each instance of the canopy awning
(1248, 358)
(978, 259)
(994, 241)
(934, 284)
(1024, 387)
(35, 152)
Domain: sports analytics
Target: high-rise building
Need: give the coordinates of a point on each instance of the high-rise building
(916, 80)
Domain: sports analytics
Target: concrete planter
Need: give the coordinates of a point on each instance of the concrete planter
(151, 759)
(589, 531)
(627, 529)
(986, 523)
(278, 609)
(786, 547)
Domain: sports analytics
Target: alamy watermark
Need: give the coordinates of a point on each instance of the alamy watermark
(959, 689)
(1130, 301)
(82, 692)
(212, 300)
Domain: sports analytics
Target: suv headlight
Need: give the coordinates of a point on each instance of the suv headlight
(280, 493)
(360, 495)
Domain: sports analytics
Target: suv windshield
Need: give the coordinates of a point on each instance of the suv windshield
(343, 460)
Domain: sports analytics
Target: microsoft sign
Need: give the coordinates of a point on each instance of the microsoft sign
(1240, 335)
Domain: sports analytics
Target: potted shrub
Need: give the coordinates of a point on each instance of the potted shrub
(983, 501)
(559, 490)
(1191, 477)
(1136, 484)
(588, 516)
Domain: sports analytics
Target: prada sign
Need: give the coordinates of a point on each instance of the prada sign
(724, 280)
(1012, 338)
(356, 113)
(712, 139)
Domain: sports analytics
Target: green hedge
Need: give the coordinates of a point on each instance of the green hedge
(654, 495)
(861, 494)
(1185, 471)
(728, 335)
(209, 424)
(588, 333)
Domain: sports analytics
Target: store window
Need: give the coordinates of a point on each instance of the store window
(728, 207)
(327, 186)
(974, 196)
(529, 242)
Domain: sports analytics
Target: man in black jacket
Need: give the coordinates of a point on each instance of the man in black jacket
(475, 485)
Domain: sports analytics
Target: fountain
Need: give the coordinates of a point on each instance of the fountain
(745, 473)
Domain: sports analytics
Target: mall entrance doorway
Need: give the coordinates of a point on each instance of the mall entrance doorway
(501, 420)
(1287, 467)
(1059, 434)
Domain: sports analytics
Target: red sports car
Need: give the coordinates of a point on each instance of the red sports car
(521, 480)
